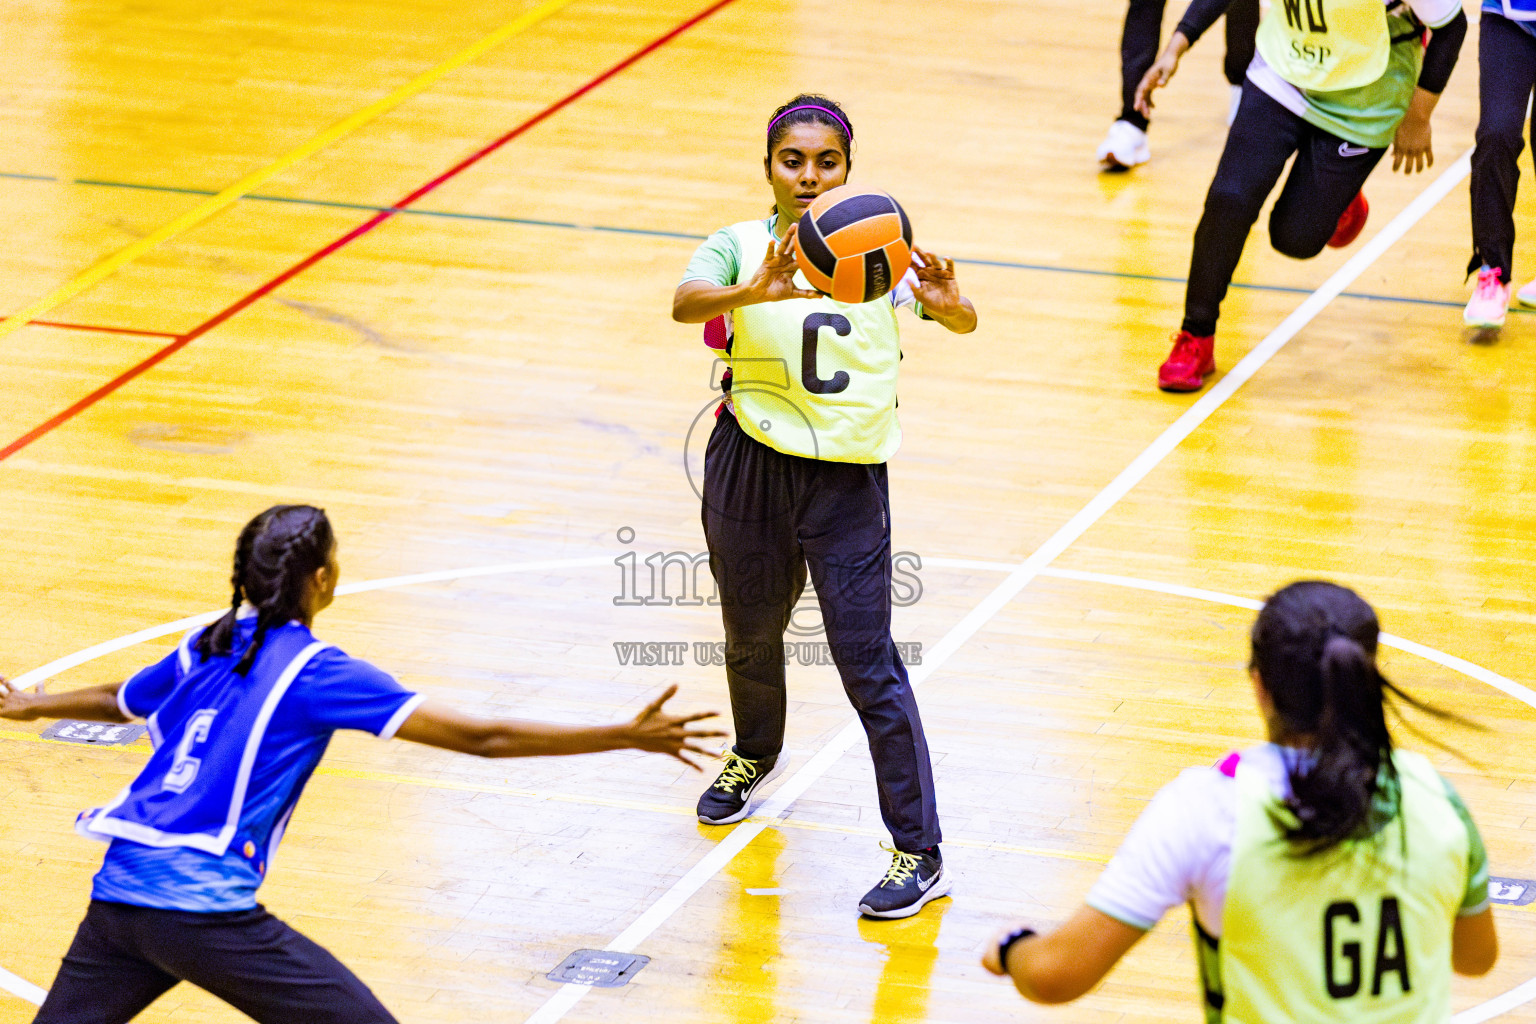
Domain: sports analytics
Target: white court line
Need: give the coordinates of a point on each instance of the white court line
(1020, 576)
(1521, 693)
(53, 668)
(22, 988)
(559, 1004)
(1516, 997)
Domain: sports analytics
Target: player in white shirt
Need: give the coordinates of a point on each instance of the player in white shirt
(1330, 874)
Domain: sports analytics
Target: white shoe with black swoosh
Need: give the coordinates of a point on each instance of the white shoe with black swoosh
(913, 880)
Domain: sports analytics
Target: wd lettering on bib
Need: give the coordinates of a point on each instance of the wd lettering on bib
(1317, 18)
(1326, 45)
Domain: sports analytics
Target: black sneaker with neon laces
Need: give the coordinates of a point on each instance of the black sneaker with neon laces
(730, 798)
(912, 880)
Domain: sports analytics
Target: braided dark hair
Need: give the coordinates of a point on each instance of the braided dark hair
(811, 108)
(1314, 646)
(277, 554)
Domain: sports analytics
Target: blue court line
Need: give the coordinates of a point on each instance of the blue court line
(365, 207)
(1044, 268)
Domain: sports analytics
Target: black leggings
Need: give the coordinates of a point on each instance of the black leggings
(768, 517)
(124, 958)
(1506, 57)
(1142, 38)
(1327, 175)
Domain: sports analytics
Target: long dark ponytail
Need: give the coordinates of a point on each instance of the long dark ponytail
(277, 554)
(1314, 646)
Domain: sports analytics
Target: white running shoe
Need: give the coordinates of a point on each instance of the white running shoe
(1527, 295)
(1237, 99)
(1490, 300)
(1124, 147)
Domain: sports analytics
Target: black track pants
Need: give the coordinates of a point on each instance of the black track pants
(1506, 58)
(768, 517)
(124, 958)
(1327, 175)
(1142, 38)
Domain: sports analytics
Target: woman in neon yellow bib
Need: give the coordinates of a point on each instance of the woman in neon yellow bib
(795, 480)
(1334, 83)
(1331, 875)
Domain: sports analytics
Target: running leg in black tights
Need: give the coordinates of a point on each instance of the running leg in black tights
(1327, 175)
(1506, 57)
(1261, 140)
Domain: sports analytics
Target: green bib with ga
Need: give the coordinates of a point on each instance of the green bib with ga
(813, 377)
(1326, 45)
(1359, 933)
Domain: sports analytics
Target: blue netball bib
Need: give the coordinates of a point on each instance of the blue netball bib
(1516, 10)
(207, 735)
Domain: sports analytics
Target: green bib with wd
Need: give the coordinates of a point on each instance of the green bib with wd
(1359, 933)
(813, 377)
(1326, 45)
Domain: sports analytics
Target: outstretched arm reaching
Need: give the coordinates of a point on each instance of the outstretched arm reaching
(697, 302)
(439, 726)
(1068, 962)
(92, 704)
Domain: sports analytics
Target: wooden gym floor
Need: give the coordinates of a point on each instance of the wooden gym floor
(484, 374)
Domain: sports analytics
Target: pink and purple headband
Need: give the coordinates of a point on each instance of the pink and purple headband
(811, 106)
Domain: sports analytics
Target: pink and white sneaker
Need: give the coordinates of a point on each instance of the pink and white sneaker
(1490, 300)
(1527, 295)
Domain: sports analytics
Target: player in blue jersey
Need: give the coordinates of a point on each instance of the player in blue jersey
(240, 714)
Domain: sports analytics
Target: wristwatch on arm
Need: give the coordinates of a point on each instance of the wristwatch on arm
(1007, 944)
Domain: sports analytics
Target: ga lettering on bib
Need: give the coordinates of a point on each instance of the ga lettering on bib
(1358, 933)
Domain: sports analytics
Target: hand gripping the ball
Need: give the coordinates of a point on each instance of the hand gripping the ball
(774, 281)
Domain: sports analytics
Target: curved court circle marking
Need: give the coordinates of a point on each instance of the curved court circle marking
(1517, 996)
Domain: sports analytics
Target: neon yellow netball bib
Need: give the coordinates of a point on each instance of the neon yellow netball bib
(1360, 933)
(1326, 45)
(814, 377)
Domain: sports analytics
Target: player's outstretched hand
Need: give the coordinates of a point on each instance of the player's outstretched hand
(15, 703)
(937, 288)
(774, 281)
(1412, 148)
(669, 734)
(1160, 73)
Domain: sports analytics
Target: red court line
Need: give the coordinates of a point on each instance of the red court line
(103, 329)
(362, 229)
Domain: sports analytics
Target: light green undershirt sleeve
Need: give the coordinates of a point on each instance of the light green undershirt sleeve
(1476, 900)
(717, 261)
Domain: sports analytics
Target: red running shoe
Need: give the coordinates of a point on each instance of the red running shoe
(1191, 361)
(1351, 222)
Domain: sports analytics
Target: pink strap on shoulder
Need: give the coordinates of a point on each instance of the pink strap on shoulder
(1228, 765)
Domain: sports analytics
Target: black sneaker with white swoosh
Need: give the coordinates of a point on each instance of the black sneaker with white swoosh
(729, 799)
(913, 879)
